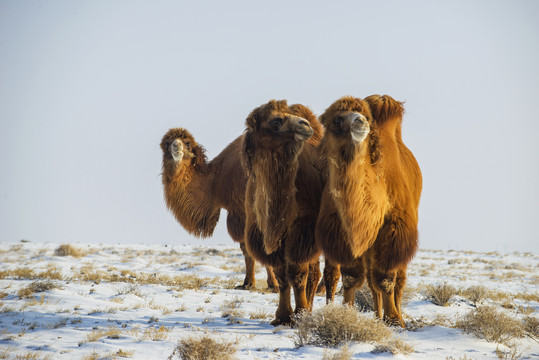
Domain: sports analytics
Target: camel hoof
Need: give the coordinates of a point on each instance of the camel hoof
(281, 322)
(396, 322)
(245, 287)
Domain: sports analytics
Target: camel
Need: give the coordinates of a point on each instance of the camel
(283, 198)
(367, 224)
(195, 191)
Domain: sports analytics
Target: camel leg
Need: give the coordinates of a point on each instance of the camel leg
(400, 283)
(384, 281)
(283, 315)
(376, 295)
(272, 281)
(249, 282)
(321, 289)
(312, 282)
(297, 275)
(353, 277)
(332, 273)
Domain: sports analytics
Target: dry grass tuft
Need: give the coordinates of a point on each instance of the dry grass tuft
(36, 287)
(510, 354)
(204, 348)
(531, 326)
(68, 250)
(30, 355)
(394, 346)
(344, 354)
(491, 324)
(155, 333)
(440, 294)
(334, 325)
(230, 310)
(260, 314)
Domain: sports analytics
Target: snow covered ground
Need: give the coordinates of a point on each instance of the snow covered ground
(139, 301)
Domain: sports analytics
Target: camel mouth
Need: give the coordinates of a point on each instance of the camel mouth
(302, 137)
(359, 128)
(303, 130)
(176, 150)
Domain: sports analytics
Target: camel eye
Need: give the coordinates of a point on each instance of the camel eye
(337, 121)
(275, 123)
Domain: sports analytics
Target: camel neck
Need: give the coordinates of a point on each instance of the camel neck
(189, 195)
(274, 176)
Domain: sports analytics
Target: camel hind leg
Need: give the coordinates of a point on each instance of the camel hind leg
(271, 279)
(312, 282)
(297, 275)
(400, 284)
(385, 282)
(332, 273)
(249, 281)
(353, 277)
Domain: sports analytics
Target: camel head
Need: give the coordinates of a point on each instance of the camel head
(350, 128)
(347, 120)
(180, 147)
(275, 124)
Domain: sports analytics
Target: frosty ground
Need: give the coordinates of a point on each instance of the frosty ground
(139, 301)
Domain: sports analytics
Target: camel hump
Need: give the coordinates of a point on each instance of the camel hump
(384, 107)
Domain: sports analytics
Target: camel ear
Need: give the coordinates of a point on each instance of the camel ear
(199, 156)
(251, 120)
(247, 150)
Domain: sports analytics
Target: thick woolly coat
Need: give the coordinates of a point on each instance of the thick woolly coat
(283, 189)
(372, 194)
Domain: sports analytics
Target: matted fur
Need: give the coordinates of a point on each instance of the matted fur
(195, 191)
(370, 202)
(283, 198)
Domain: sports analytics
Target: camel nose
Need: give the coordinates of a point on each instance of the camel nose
(360, 119)
(304, 123)
(177, 145)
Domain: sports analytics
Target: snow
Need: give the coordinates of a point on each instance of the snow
(135, 289)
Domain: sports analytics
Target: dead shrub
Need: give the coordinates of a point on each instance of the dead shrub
(334, 325)
(68, 250)
(440, 294)
(491, 324)
(475, 293)
(364, 300)
(204, 348)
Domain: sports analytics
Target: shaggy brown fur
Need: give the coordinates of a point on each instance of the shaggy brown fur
(368, 217)
(195, 191)
(283, 198)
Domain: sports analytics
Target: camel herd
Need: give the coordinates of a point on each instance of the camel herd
(295, 187)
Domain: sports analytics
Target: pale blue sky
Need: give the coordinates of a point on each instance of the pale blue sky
(88, 88)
